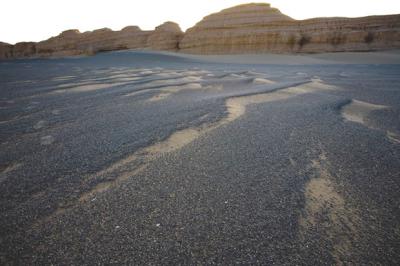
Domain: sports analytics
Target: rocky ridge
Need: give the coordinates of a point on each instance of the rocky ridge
(249, 28)
(259, 28)
(72, 42)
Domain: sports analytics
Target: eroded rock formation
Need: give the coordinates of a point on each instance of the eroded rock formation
(73, 42)
(166, 37)
(259, 28)
(6, 50)
(249, 28)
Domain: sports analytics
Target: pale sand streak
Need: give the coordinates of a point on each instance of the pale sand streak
(9, 169)
(327, 210)
(358, 111)
(88, 87)
(168, 91)
(260, 81)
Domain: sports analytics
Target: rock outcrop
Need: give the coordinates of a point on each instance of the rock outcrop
(73, 42)
(6, 50)
(249, 28)
(166, 37)
(259, 28)
(62, 45)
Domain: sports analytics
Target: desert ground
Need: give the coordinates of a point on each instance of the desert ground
(139, 157)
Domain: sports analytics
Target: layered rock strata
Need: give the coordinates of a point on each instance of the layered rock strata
(249, 28)
(73, 42)
(259, 28)
(6, 50)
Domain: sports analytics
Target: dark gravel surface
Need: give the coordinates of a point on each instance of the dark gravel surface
(290, 182)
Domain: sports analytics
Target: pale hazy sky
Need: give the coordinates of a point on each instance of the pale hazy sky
(29, 20)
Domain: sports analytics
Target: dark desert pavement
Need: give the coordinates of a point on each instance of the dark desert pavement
(148, 158)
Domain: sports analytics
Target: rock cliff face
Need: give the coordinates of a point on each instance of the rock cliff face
(249, 28)
(258, 28)
(73, 42)
(6, 50)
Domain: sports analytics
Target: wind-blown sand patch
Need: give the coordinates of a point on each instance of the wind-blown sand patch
(326, 211)
(393, 136)
(123, 167)
(176, 141)
(159, 97)
(63, 78)
(168, 74)
(40, 124)
(237, 105)
(194, 72)
(260, 81)
(89, 87)
(358, 111)
(9, 169)
(74, 84)
(134, 93)
(165, 91)
(104, 186)
(168, 91)
(128, 79)
(173, 81)
(148, 72)
(122, 76)
(110, 79)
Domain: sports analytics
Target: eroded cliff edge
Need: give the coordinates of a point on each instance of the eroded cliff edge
(259, 28)
(249, 28)
(72, 42)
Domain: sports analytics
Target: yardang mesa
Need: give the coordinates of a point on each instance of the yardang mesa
(248, 28)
